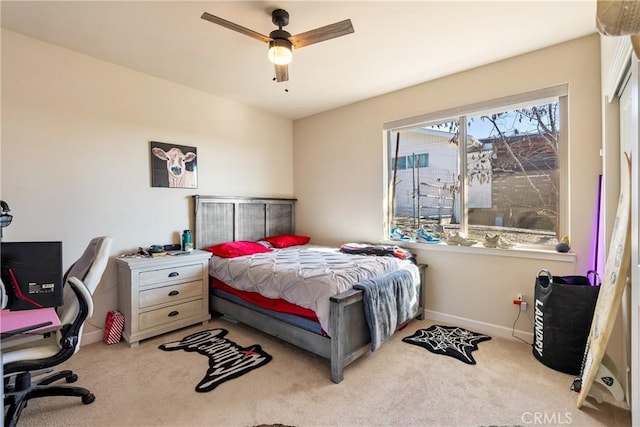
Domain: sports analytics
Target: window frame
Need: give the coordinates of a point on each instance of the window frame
(553, 93)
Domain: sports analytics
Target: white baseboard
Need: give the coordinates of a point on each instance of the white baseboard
(90, 337)
(480, 327)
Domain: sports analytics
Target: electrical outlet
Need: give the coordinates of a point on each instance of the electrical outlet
(519, 300)
(523, 306)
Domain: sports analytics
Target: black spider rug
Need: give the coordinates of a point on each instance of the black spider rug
(449, 341)
(227, 360)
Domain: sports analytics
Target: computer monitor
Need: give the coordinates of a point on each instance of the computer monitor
(32, 274)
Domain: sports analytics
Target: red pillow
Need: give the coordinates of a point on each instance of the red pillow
(238, 248)
(286, 240)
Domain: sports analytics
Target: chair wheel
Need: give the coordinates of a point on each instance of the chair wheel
(89, 398)
(71, 378)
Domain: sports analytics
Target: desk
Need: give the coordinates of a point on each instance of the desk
(11, 320)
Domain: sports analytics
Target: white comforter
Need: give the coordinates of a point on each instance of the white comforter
(305, 275)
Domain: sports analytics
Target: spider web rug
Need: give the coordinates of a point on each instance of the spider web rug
(227, 360)
(449, 341)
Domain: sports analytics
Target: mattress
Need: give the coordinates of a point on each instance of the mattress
(306, 275)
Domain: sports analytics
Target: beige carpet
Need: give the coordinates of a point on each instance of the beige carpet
(398, 385)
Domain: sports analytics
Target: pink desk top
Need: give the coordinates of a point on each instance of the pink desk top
(10, 320)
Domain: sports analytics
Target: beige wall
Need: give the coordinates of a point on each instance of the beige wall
(338, 175)
(75, 152)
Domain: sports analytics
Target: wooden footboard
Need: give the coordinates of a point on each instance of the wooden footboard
(351, 338)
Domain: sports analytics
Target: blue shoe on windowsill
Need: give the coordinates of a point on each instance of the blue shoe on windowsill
(397, 234)
(424, 237)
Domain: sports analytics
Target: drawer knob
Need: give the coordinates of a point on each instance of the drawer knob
(174, 313)
(174, 274)
(173, 293)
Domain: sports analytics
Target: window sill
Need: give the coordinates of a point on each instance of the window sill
(478, 249)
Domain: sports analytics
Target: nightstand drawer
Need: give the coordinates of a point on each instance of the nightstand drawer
(171, 293)
(182, 273)
(176, 312)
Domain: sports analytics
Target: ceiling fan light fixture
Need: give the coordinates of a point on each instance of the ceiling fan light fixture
(280, 52)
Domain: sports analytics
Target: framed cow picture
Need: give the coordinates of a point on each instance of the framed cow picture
(173, 166)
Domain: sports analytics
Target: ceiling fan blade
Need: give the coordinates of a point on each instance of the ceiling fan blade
(235, 27)
(327, 32)
(282, 73)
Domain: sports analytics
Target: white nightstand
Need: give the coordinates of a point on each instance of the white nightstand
(162, 294)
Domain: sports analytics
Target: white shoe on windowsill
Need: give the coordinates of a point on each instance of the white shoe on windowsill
(456, 239)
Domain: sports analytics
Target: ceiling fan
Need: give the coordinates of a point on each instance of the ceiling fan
(281, 42)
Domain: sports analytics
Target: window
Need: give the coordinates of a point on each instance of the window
(510, 191)
(408, 162)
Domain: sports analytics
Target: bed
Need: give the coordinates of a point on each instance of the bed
(345, 335)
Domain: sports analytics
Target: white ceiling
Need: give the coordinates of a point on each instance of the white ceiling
(396, 44)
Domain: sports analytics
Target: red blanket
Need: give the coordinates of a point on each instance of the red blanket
(255, 298)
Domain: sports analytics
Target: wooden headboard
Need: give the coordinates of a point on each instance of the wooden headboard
(224, 219)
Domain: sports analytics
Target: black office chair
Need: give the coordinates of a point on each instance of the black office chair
(81, 280)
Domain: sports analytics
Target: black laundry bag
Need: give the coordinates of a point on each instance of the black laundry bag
(563, 310)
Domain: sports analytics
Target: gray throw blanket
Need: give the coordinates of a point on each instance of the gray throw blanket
(389, 301)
